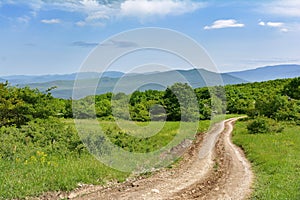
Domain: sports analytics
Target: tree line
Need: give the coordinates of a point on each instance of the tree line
(30, 120)
(276, 99)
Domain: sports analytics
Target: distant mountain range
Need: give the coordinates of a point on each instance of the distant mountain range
(268, 73)
(156, 80)
(27, 79)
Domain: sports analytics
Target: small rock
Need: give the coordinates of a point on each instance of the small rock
(80, 185)
(135, 184)
(155, 191)
(72, 195)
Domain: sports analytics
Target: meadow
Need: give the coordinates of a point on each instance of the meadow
(30, 172)
(275, 159)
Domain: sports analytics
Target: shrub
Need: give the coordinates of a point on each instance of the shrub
(264, 125)
(259, 125)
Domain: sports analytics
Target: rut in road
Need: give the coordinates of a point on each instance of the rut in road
(213, 168)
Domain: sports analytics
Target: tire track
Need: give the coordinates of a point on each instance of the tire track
(212, 168)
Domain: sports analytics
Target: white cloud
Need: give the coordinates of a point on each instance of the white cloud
(225, 23)
(284, 30)
(282, 27)
(289, 8)
(51, 21)
(275, 24)
(271, 24)
(97, 12)
(142, 8)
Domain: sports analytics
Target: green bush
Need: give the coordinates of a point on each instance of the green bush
(48, 135)
(264, 125)
(259, 125)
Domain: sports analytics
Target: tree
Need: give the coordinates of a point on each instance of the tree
(20, 105)
(181, 103)
(292, 89)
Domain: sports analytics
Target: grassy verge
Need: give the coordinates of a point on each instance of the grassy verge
(19, 179)
(275, 159)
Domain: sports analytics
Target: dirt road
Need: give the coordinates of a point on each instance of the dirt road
(213, 168)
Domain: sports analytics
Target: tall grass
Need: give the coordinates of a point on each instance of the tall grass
(276, 161)
(20, 178)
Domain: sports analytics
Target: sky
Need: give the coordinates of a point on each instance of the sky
(56, 36)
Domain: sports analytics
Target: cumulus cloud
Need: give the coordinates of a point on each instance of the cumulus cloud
(142, 8)
(288, 8)
(96, 12)
(225, 23)
(51, 21)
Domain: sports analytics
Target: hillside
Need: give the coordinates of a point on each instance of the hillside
(154, 81)
(28, 79)
(268, 73)
(146, 81)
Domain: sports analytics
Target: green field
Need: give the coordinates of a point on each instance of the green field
(275, 158)
(37, 169)
(42, 174)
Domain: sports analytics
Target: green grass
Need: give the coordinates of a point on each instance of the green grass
(275, 158)
(19, 179)
(40, 173)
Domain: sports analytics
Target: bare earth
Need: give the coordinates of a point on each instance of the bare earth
(212, 168)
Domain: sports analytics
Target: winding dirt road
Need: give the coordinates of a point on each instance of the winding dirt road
(212, 168)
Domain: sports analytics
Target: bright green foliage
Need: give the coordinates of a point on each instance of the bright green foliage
(103, 105)
(264, 99)
(259, 125)
(293, 89)
(181, 103)
(49, 135)
(148, 105)
(263, 125)
(20, 105)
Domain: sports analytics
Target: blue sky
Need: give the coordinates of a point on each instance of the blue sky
(55, 37)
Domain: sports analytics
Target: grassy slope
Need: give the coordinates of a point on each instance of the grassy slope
(19, 180)
(275, 159)
(43, 173)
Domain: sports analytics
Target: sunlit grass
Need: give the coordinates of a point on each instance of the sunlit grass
(41, 173)
(20, 179)
(276, 161)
